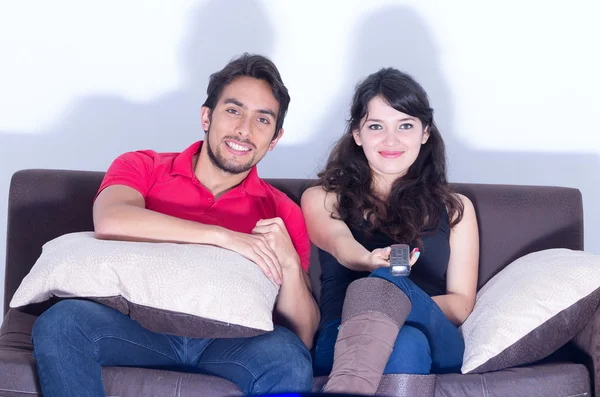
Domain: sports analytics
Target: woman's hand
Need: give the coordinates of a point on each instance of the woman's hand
(377, 258)
(380, 257)
(414, 255)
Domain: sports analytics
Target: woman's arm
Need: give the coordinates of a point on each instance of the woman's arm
(334, 236)
(461, 279)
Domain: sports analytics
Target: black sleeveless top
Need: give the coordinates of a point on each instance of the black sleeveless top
(429, 273)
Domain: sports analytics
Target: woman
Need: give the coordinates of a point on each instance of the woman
(385, 183)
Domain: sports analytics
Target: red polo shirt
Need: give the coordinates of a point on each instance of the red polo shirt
(169, 185)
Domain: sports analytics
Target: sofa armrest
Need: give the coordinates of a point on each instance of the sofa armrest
(588, 340)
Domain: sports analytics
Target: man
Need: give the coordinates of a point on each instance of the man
(208, 194)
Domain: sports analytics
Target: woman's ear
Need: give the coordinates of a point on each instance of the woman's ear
(425, 137)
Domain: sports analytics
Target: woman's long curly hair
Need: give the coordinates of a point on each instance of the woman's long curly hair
(415, 203)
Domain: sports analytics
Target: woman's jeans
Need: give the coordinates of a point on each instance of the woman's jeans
(427, 343)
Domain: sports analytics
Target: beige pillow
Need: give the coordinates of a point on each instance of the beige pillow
(530, 309)
(182, 289)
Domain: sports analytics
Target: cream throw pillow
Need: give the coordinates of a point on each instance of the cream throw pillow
(530, 309)
(185, 289)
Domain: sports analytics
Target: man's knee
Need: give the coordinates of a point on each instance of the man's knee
(294, 349)
(297, 364)
(57, 318)
(292, 359)
(60, 323)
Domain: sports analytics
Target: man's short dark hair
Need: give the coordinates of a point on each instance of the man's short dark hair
(250, 65)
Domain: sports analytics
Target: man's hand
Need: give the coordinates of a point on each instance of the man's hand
(275, 234)
(257, 249)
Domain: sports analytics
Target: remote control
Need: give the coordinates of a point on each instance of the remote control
(400, 260)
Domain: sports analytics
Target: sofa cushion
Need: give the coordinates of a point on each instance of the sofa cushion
(15, 332)
(530, 309)
(18, 377)
(182, 289)
(134, 382)
(403, 385)
(549, 380)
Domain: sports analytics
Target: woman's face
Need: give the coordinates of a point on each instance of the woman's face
(390, 139)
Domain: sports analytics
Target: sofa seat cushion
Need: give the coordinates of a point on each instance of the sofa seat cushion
(18, 376)
(135, 382)
(544, 380)
(17, 366)
(548, 380)
(403, 385)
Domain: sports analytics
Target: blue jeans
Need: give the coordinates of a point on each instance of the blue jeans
(427, 343)
(74, 339)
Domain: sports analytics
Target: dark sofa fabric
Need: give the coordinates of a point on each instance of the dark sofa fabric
(513, 221)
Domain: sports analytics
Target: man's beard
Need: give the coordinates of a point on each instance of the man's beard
(232, 168)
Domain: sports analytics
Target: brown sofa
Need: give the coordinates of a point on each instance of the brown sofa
(514, 220)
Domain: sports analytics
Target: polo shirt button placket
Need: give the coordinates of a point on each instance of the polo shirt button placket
(210, 202)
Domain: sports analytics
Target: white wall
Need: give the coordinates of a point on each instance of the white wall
(514, 83)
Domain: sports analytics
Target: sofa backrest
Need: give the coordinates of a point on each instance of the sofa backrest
(513, 220)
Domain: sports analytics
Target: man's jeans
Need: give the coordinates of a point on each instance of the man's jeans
(427, 343)
(75, 338)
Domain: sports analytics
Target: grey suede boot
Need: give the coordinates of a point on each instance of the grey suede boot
(374, 311)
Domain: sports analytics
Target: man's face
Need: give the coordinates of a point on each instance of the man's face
(241, 127)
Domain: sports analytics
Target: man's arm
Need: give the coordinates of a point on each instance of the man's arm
(296, 308)
(120, 214)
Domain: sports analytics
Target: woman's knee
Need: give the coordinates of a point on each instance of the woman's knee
(404, 283)
(411, 354)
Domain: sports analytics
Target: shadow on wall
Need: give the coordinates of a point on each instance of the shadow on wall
(397, 36)
(97, 129)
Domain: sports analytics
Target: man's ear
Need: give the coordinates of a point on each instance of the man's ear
(276, 139)
(356, 136)
(205, 116)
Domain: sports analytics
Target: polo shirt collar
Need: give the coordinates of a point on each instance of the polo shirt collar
(183, 165)
(184, 162)
(253, 184)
